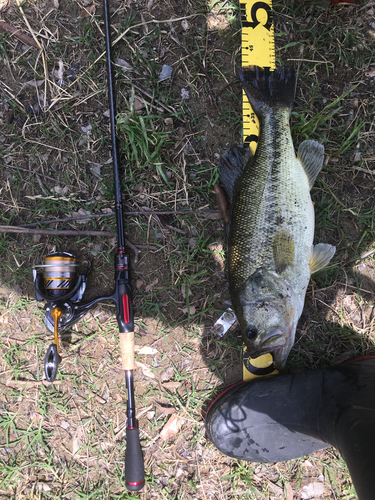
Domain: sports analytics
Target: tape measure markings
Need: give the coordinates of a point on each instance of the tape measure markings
(258, 49)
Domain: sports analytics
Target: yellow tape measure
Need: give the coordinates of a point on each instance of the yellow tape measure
(258, 49)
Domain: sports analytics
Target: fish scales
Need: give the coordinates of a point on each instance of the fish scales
(270, 240)
(274, 197)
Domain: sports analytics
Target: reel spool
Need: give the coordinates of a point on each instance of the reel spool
(60, 270)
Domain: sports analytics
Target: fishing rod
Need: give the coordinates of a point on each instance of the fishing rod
(58, 282)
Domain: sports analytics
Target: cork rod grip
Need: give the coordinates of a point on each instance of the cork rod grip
(127, 350)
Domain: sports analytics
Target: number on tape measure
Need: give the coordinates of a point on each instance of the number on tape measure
(258, 49)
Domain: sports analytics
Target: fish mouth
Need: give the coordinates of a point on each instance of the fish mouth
(273, 341)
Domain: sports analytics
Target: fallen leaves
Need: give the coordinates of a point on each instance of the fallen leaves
(145, 370)
(80, 213)
(192, 310)
(312, 490)
(26, 39)
(145, 350)
(166, 409)
(151, 285)
(88, 11)
(35, 83)
(172, 427)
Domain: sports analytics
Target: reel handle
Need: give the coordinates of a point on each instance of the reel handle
(51, 363)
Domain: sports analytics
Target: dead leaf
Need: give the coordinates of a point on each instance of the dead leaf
(212, 215)
(144, 25)
(151, 285)
(59, 73)
(81, 212)
(56, 4)
(138, 103)
(312, 490)
(289, 491)
(26, 39)
(87, 129)
(60, 190)
(88, 11)
(35, 83)
(192, 310)
(95, 169)
(145, 350)
(17, 289)
(124, 64)
(370, 73)
(139, 284)
(167, 410)
(172, 427)
(167, 374)
(78, 439)
(183, 291)
(171, 385)
(145, 370)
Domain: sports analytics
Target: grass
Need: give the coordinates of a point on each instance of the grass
(67, 441)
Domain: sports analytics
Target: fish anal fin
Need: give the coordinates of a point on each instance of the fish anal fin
(231, 167)
(283, 250)
(311, 155)
(320, 256)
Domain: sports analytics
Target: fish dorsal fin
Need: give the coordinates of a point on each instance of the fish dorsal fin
(283, 251)
(231, 167)
(311, 155)
(320, 256)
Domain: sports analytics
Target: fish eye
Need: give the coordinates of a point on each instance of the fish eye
(251, 332)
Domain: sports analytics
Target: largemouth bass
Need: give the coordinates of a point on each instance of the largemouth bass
(270, 236)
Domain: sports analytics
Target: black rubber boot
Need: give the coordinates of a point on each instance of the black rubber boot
(288, 416)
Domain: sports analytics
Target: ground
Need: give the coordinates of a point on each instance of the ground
(67, 440)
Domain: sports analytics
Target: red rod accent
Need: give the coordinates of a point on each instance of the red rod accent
(126, 304)
(135, 484)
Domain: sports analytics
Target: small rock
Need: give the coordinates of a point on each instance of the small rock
(165, 73)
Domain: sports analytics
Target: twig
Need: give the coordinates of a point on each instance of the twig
(30, 383)
(112, 214)
(51, 232)
(67, 232)
(41, 175)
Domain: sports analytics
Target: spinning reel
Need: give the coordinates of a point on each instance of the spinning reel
(58, 282)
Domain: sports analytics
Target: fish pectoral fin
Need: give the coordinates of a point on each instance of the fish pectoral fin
(311, 155)
(320, 256)
(231, 167)
(283, 250)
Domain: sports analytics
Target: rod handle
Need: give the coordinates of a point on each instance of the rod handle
(134, 467)
(127, 350)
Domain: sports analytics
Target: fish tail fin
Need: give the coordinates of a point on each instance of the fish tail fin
(269, 89)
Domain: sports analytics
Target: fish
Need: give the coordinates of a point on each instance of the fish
(270, 235)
